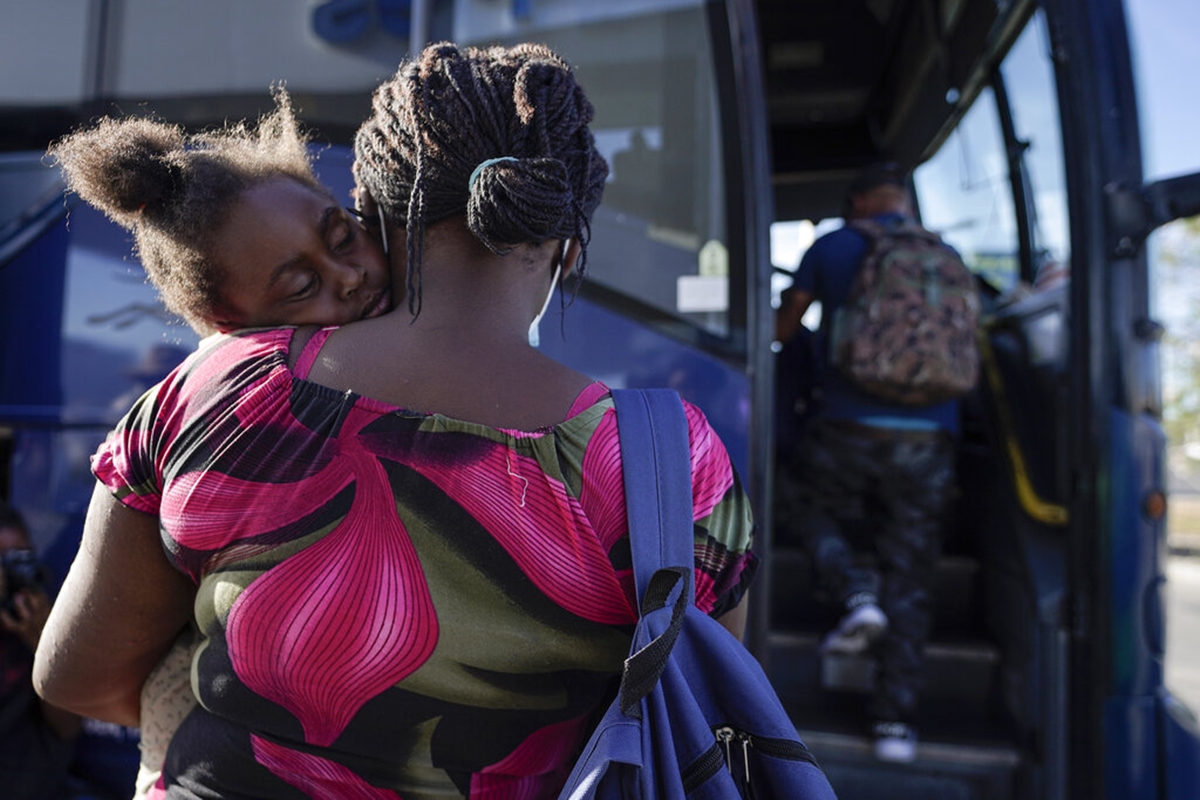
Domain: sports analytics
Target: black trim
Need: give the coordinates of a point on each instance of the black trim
(748, 177)
(1018, 179)
(1096, 95)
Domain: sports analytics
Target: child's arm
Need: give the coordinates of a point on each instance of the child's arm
(166, 699)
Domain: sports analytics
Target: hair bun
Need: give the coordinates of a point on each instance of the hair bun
(512, 201)
(123, 166)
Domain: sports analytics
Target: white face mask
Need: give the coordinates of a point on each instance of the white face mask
(534, 338)
(382, 229)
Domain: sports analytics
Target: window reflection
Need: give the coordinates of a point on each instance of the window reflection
(965, 195)
(1029, 80)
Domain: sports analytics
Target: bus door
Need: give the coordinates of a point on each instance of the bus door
(993, 666)
(1042, 676)
(1119, 708)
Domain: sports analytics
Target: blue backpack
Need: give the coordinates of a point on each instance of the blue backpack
(695, 716)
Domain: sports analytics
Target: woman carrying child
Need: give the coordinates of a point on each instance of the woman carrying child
(404, 540)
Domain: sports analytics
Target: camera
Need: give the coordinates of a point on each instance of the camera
(22, 570)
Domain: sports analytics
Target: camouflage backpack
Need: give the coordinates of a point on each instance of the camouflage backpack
(906, 333)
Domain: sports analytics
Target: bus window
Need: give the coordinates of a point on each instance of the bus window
(1029, 80)
(964, 194)
(660, 235)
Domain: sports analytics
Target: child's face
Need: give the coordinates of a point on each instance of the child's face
(292, 256)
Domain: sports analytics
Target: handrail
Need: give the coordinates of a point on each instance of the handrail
(1031, 503)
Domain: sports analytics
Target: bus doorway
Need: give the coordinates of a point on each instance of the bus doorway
(720, 118)
(1047, 632)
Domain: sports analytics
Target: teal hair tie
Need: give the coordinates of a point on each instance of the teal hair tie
(482, 164)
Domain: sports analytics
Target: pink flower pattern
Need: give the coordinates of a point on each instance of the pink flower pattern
(291, 505)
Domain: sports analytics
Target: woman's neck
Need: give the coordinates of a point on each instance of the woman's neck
(466, 352)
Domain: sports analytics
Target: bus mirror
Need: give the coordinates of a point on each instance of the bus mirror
(1173, 198)
(1135, 215)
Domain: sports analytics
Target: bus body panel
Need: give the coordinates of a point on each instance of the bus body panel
(1139, 547)
(614, 349)
(1180, 734)
(1130, 762)
(32, 291)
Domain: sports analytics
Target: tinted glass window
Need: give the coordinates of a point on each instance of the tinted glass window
(965, 195)
(26, 186)
(1029, 79)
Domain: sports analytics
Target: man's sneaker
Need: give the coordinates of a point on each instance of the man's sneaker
(854, 632)
(895, 741)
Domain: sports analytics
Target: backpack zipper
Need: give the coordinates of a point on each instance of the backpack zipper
(730, 739)
(703, 768)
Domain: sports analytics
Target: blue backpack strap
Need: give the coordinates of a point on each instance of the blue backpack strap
(656, 460)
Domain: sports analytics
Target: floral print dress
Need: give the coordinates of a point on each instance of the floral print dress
(393, 604)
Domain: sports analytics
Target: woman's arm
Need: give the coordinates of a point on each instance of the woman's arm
(118, 612)
(734, 620)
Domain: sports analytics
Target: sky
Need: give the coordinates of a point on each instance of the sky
(1166, 58)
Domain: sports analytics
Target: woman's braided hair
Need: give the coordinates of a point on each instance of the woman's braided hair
(452, 109)
(173, 190)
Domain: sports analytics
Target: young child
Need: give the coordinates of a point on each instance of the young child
(236, 231)
(232, 226)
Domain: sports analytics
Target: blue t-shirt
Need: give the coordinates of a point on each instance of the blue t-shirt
(827, 272)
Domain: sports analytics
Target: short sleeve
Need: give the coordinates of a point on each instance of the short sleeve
(125, 461)
(806, 273)
(724, 523)
(171, 420)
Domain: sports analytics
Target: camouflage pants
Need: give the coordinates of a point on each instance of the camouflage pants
(889, 491)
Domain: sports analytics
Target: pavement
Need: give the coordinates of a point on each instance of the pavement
(1183, 544)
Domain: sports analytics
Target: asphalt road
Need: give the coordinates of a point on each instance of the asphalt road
(1183, 629)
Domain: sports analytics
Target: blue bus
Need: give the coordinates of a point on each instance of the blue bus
(732, 128)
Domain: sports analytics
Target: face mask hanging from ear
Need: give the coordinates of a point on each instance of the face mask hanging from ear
(534, 338)
(382, 229)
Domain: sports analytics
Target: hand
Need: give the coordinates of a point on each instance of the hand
(27, 618)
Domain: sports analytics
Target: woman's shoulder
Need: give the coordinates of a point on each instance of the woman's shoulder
(248, 342)
(591, 396)
(708, 452)
(236, 349)
(226, 364)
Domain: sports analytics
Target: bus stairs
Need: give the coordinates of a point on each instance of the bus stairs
(963, 752)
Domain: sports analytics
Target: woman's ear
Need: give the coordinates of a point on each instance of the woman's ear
(364, 202)
(372, 214)
(570, 255)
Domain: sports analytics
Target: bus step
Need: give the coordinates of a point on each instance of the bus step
(956, 596)
(959, 674)
(943, 770)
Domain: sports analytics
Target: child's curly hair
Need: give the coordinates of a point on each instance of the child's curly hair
(173, 190)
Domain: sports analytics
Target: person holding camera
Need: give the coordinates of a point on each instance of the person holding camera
(36, 738)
